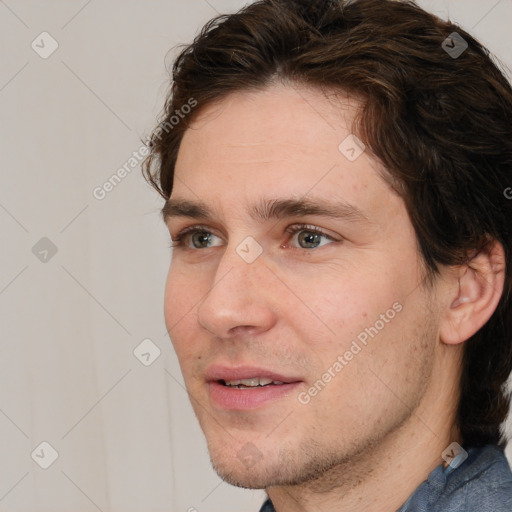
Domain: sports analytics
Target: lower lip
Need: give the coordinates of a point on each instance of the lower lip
(243, 399)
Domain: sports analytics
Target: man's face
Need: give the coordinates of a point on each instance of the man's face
(305, 291)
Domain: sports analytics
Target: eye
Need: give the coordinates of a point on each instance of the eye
(308, 237)
(196, 237)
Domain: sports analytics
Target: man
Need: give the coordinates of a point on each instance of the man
(335, 178)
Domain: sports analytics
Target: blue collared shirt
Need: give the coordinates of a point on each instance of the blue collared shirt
(482, 483)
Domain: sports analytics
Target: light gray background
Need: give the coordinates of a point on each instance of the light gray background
(125, 433)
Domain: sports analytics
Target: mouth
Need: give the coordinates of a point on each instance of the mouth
(250, 383)
(245, 388)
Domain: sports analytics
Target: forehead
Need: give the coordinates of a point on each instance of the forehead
(283, 119)
(282, 141)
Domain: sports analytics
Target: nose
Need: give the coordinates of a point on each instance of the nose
(239, 301)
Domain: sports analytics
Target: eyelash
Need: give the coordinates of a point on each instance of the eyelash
(178, 241)
(297, 228)
(291, 230)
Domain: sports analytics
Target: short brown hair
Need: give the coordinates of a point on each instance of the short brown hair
(442, 126)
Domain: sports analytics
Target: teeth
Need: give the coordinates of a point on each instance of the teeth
(252, 383)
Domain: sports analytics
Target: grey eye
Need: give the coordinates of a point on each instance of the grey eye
(309, 239)
(201, 239)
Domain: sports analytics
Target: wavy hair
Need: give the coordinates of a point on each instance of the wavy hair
(442, 127)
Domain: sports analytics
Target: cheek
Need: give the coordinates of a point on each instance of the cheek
(341, 303)
(172, 300)
(180, 308)
(184, 287)
(361, 316)
(381, 382)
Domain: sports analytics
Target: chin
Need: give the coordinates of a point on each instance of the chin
(248, 478)
(246, 466)
(250, 469)
(245, 481)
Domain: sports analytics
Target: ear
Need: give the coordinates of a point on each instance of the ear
(473, 293)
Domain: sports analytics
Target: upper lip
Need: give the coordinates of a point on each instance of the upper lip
(226, 373)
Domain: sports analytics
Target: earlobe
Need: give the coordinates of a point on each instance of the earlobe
(476, 291)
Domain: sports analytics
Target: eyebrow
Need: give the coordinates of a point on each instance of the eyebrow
(269, 209)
